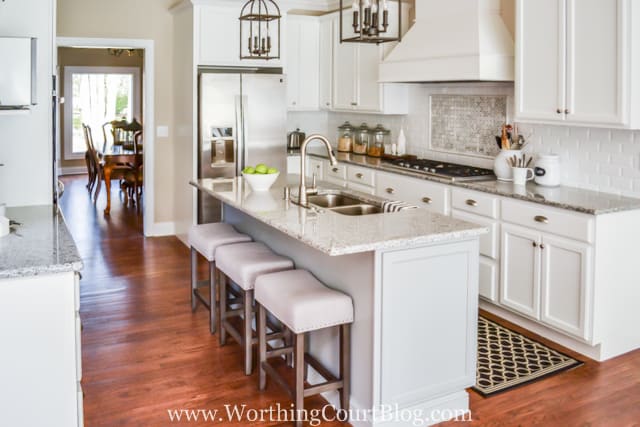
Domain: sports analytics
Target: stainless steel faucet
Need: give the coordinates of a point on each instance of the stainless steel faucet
(304, 191)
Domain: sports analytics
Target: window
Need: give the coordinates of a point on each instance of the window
(95, 96)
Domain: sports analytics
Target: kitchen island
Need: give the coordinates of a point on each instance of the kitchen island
(40, 361)
(413, 277)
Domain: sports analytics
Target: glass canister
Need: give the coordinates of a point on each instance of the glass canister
(361, 144)
(380, 139)
(345, 137)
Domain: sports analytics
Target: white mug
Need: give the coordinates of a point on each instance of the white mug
(522, 175)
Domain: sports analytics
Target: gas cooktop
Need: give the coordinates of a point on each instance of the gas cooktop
(451, 171)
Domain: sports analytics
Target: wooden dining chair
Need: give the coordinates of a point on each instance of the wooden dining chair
(115, 128)
(90, 161)
(118, 173)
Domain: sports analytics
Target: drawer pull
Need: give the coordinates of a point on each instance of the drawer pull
(427, 200)
(335, 169)
(359, 175)
(535, 245)
(355, 104)
(542, 246)
(390, 190)
(471, 202)
(541, 219)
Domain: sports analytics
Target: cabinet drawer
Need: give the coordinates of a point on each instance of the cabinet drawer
(338, 171)
(78, 348)
(424, 194)
(315, 166)
(475, 202)
(362, 188)
(572, 225)
(362, 176)
(336, 181)
(489, 243)
(488, 286)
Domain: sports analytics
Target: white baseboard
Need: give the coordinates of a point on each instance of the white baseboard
(160, 229)
(72, 170)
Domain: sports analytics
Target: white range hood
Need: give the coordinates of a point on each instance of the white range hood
(453, 40)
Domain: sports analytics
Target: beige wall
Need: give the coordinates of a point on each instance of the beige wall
(68, 56)
(138, 19)
(509, 15)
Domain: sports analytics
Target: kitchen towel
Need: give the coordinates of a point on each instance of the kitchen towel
(396, 206)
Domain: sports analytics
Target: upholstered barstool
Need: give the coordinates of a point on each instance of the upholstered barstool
(243, 263)
(303, 304)
(205, 239)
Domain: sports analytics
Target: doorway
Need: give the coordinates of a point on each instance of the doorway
(119, 88)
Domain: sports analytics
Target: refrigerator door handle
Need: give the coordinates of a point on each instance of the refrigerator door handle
(240, 152)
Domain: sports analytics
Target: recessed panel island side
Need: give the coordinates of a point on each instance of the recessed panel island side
(413, 278)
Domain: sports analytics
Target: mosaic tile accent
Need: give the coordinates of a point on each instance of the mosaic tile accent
(467, 124)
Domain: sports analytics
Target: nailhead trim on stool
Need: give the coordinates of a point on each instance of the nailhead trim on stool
(303, 304)
(244, 263)
(205, 239)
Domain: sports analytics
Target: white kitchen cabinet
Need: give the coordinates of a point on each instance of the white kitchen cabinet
(326, 62)
(520, 275)
(303, 62)
(546, 277)
(356, 74)
(217, 37)
(422, 193)
(576, 67)
(566, 271)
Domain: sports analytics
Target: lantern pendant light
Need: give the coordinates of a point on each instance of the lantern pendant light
(371, 22)
(259, 20)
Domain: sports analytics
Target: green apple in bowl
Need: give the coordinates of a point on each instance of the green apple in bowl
(271, 171)
(262, 168)
(249, 170)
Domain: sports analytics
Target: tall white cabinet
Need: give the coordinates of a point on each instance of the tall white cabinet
(575, 61)
(302, 62)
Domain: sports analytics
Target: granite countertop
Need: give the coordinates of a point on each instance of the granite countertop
(570, 198)
(42, 244)
(333, 233)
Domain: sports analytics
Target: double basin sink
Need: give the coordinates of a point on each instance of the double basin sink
(344, 204)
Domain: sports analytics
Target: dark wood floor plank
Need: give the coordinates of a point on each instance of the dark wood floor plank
(144, 352)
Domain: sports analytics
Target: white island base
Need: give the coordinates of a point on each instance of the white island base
(414, 334)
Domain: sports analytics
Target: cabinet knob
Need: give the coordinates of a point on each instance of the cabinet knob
(567, 111)
(359, 175)
(390, 190)
(335, 169)
(541, 219)
(541, 246)
(535, 245)
(471, 202)
(294, 103)
(355, 104)
(427, 200)
(559, 111)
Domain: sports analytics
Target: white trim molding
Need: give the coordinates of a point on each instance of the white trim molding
(148, 112)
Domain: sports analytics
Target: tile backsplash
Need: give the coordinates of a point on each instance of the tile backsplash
(593, 158)
(467, 124)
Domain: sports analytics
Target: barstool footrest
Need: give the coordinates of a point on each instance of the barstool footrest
(202, 299)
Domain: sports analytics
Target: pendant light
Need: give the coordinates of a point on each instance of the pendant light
(371, 22)
(259, 22)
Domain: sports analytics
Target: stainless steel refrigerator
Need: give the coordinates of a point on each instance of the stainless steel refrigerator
(242, 122)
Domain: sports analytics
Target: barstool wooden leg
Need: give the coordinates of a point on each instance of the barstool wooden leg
(299, 387)
(222, 333)
(213, 312)
(248, 331)
(262, 345)
(345, 365)
(194, 278)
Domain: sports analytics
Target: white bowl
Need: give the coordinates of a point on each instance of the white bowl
(261, 182)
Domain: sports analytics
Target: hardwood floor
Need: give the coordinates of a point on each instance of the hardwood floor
(145, 353)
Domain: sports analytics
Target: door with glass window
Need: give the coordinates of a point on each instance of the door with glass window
(95, 96)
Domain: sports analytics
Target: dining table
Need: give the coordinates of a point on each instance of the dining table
(117, 157)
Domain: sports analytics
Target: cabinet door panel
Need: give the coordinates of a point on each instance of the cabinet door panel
(309, 88)
(292, 45)
(344, 71)
(540, 59)
(520, 271)
(369, 90)
(595, 33)
(488, 285)
(565, 272)
(217, 24)
(326, 63)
